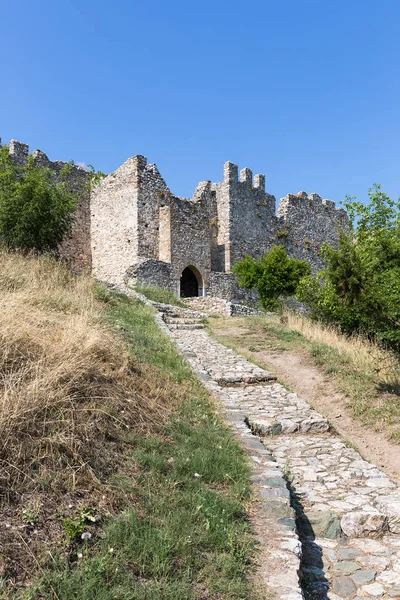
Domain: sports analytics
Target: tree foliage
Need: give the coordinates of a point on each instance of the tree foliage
(273, 275)
(359, 289)
(36, 212)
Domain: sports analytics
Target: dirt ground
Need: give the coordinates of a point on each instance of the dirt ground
(295, 369)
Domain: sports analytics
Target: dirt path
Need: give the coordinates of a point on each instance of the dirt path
(296, 370)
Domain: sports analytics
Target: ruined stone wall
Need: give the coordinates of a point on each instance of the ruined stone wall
(152, 272)
(192, 233)
(114, 218)
(76, 247)
(305, 223)
(153, 192)
(225, 285)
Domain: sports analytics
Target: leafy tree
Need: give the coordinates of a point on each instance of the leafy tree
(273, 275)
(36, 212)
(359, 289)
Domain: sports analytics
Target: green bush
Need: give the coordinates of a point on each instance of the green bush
(273, 275)
(36, 212)
(359, 289)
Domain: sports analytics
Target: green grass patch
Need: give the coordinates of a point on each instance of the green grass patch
(186, 535)
(159, 295)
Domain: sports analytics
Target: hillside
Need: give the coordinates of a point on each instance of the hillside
(103, 428)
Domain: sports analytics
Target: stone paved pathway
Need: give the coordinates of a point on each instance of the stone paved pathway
(330, 520)
(346, 538)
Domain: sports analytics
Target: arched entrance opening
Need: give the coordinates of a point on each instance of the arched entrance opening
(191, 283)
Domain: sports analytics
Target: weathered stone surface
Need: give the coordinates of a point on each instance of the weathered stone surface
(347, 567)
(389, 577)
(370, 546)
(363, 524)
(363, 577)
(394, 592)
(274, 482)
(324, 523)
(348, 552)
(344, 587)
(272, 493)
(374, 589)
(390, 506)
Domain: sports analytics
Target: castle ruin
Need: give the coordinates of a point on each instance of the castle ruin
(131, 227)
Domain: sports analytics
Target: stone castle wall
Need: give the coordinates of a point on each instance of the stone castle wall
(130, 227)
(305, 222)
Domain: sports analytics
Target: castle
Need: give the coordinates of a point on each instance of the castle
(131, 227)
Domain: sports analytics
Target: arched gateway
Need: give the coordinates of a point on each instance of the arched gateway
(191, 283)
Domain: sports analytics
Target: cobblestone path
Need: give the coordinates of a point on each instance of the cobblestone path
(332, 520)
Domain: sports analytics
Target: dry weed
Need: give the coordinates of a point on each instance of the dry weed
(366, 356)
(64, 376)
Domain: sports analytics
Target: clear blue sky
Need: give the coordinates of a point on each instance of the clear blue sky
(305, 91)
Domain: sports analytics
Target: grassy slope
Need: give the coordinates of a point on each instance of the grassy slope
(160, 531)
(158, 294)
(367, 375)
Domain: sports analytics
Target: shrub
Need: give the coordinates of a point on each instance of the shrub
(36, 212)
(273, 275)
(359, 289)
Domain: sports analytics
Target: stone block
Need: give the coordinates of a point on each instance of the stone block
(363, 524)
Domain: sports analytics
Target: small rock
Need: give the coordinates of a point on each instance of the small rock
(376, 562)
(274, 482)
(348, 552)
(362, 524)
(390, 506)
(347, 567)
(374, 589)
(389, 577)
(267, 493)
(380, 482)
(287, 522)
(325, 524)
(344, 587)
(292, 545)
(363, 577)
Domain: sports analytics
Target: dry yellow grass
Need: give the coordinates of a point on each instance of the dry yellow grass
(366, 356)
(64, 376)
(72, 400)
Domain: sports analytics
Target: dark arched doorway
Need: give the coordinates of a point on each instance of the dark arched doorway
(190, 283)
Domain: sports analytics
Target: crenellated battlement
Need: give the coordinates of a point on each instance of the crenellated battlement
(19, 152)
(294, 204)
(231, 176)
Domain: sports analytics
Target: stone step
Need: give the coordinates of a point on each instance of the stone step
(272, 410)
(185, 326)
(182, 321)
(265, 425)
(244, 378)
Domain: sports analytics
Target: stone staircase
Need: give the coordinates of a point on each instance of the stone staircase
(179, 322)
